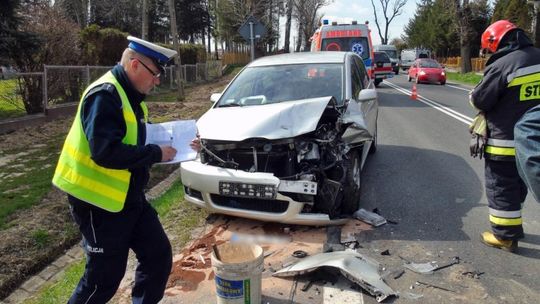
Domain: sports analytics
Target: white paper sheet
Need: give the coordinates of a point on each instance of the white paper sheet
(177, 134)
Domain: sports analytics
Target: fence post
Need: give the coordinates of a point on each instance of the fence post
(87, 71)
(171, 76)
(45, 98)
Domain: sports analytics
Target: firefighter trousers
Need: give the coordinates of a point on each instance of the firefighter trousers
(107, 238)
(505, 193)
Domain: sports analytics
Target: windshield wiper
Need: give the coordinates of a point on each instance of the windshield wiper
(232, 104)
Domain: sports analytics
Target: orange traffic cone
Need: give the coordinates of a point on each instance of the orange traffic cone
(414, 95)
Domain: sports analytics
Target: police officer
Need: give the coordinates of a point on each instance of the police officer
(502, 96)
(104, 167)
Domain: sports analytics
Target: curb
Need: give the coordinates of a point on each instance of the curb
(55, 271)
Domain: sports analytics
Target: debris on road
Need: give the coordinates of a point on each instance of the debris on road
(430, 267)
(473, 274)
(369, 217)
(299, 254)
(434, 286)
(353, 265)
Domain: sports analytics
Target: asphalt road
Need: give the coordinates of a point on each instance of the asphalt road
(423, 178)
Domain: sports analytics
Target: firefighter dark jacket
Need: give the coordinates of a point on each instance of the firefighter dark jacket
(510, 87)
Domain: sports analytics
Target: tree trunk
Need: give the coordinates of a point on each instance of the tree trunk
(466, 66)
(299, 37)
(178, 60)
(145, 20)
(288, 26)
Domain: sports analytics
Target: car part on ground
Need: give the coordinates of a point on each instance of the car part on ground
(354, 266)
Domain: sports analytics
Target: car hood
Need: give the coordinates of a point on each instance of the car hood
(271, 121)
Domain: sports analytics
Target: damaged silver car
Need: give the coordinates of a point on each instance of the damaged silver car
(286, 140)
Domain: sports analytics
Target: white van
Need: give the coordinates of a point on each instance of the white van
(392, 52)
(408, 56)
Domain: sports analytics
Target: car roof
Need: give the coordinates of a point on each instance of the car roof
(301, 58)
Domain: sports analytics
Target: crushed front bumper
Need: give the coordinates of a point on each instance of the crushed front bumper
(202, 185)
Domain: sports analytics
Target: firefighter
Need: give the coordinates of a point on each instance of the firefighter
(502, 97)
(104, 168)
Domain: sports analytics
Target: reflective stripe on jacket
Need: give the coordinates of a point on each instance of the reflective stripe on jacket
(78, 175)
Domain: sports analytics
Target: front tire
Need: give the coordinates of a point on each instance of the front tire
(352, 184)
(377, 82)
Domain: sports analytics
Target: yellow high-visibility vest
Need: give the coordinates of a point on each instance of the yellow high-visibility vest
(78, 175)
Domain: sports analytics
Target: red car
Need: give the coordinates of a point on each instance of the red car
(427, 70)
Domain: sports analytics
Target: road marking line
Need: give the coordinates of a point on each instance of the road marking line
(437, 106)
(341, 293)
(466, 90)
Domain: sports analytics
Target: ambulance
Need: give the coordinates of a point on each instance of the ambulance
(346, 38)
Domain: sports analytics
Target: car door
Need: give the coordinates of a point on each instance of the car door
(363, 114)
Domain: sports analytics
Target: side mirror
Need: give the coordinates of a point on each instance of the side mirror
(367, 94)
(215, 97)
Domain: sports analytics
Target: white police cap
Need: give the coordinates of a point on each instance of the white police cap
(160, 55)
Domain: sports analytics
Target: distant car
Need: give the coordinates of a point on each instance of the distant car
(382, 69)
(427, 70)
(286, 140)
(409, 56)
(392, 52)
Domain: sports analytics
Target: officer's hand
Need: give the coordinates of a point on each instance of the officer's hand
(196, 143)
(167, 153)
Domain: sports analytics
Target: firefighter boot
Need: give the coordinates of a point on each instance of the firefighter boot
(491, 240)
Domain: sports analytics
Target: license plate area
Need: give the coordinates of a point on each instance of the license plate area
(236, 189)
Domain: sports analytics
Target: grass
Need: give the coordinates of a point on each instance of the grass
(60, 291)
(27, 179)
(41, 238)
(11, 104)
(169, 206)
(467, 78)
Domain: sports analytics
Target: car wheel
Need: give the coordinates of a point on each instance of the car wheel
(409, 78)
(377, 82)
(351, 189)
(443, 82)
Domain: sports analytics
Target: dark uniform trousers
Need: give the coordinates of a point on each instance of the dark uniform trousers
(107, 238)
(505, 192)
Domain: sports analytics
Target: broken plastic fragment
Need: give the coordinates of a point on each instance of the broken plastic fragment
(369, 217)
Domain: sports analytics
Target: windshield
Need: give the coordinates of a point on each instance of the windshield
(391, 54)
(429, 64)
(381, 57)
(359, 45)
(273, 84)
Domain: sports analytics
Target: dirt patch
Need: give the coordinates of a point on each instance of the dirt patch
(36, 236)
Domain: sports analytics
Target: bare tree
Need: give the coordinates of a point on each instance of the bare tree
(308, 18)
(290, 4)
(390, 11)
(466, 33)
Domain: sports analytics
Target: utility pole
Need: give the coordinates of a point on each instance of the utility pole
(178, 60)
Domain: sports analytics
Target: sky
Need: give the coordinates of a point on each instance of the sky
(344, 11)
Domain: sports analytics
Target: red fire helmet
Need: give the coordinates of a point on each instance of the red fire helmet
(494, 33)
